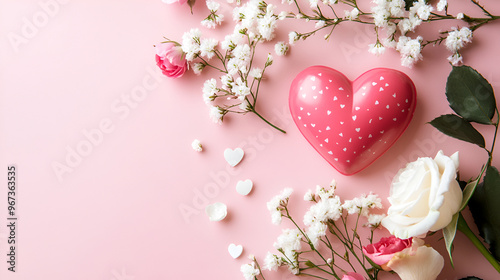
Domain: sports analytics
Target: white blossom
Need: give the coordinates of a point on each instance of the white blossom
(244, 106)
(455, 59)
(191, 43)
(315, 231)
(397, 8)
(272, 262)
(282, 15)
(460, 16)
(421, 9)
(240, 89)
(227, 81)
(216, 114)
(281, 48)
(266, 26)
(250, 271)
(293, 37)
(289, 240)
(276, 204)
(410, 50)
(352, 15)
(207, 47)
(313, 3)
(256, 73)
(209, 90)
(376, 49)
(213, 6)
(458, 38)
(374, 220)
(196, 145)
(320, 23)
(309, 196)
(441, 5)
(198, 67)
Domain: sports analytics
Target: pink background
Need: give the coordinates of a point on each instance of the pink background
(117, 215)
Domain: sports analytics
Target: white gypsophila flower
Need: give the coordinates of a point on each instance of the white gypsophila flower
(422, 9)
(458, 38)
(320, 23)
(208, 23)
(441, 5)
(269, 60)
(352, 15)
(207, 47)
(272, 262)
(455, 59)
(390, 43)
(410, 50)
(250, 271)
(374, 220)
(196, 145)
(309, 196)
(198, 67)
(227, 81)
(381, 13)
(240, 89)
(191, 43)
(460, 16)
(352, 206)
(330, 2)
(371, 201)
(256, 73)
(293, 37)
(329, 209)
(397, 8)
(313, 3)
(244, 106)
(231, 41)
(315, 231)
(289, 240)
(216, 114)
(212, 6)
(276, 204)
(376, 49)
(266, 26)
(409, 24)
(281, 48)
(282, 15)
(390, 29)
(209, 90)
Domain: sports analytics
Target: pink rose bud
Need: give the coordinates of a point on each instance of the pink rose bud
(171, 60)
(383, 251)
(353, 276)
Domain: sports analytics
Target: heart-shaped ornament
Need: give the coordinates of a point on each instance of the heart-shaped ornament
(233, 157)
(235, 250)
(244, 187)
(351, 124)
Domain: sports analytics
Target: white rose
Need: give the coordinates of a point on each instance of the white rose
(424, 196)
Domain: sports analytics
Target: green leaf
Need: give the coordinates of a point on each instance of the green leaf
(470, 188)
(449, 233)
(470, 95)
(457, 127)
(310, 264)
(485, 208)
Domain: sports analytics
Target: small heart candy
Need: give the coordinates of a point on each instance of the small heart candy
(235, 250)
(233, 157)
(244, 187)
(216, 212)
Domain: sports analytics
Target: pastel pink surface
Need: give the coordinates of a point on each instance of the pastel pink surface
(351, 124)
(122, 213)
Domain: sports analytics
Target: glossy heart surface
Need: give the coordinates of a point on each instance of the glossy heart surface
(351, 124)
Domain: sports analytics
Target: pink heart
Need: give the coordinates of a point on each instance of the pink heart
(351, 124)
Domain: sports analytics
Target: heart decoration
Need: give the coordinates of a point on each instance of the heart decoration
(351, 124)
(244, 187)
(235, 250)
(233, 157)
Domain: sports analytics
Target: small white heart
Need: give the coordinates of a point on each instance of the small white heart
(373, 84)
(235, 250)
(342, 105)
(216, 212)
(233, 157)
(354, 117)
(328, 112)
(315, 97)
(358, 129)
(328, 128)
(313, 87)
(321, 92)
(244, 187)
(341, 88)
(334, 98)
(313, 125)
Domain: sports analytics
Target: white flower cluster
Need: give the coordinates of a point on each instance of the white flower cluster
(410, 50)
(327, 208)
(257, 18)
(194, 46)
(213, 19)
(455, 41)
(289, 242)
(277, 204)
(250, 271)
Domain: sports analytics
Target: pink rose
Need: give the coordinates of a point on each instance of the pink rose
(171, 60)
(352, 276)
(383, 251)
(175, 1)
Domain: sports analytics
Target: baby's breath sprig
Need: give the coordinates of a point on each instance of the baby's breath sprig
(397, 20)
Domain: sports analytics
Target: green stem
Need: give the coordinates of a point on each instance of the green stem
(463, 227)
(275, 127)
